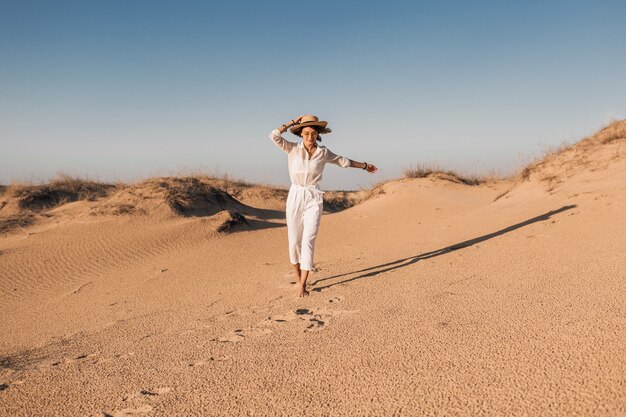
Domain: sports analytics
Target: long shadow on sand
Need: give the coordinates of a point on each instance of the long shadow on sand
(256, 224)
(404, 262)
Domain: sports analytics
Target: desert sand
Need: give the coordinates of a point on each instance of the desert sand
(175, 297)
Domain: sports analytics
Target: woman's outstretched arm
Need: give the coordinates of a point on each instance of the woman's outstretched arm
(363, 165)
(344, 162)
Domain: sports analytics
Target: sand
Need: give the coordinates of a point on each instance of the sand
(429, 298)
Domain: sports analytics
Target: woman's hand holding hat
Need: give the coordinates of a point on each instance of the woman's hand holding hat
(289, 124)
(294, 122)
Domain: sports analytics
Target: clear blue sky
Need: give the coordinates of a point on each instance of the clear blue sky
(121, 90)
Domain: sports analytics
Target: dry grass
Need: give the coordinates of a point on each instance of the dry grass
(15, 221)
(60, 190)
(616, 130)
(338, 200)
(420, 171)
(424, 171)
(232, 185)
(192, 195)
(547, 155)
(36, 198)
(197, 195)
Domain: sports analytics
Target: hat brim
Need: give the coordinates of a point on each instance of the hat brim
(301, 126)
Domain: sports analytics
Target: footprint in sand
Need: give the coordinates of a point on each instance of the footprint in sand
(286, 285)
(143, 409)
(315, 324)
(264, 327)
(129, 411)
(227, 315)
(235, 337)
(212, 359)
(117, 356)
(88, 356)
(314, 321)
(67, 361)
(443, 295)
(148, 392)
(278, 319)
(317, 320)
(157, 391)
(124, 355)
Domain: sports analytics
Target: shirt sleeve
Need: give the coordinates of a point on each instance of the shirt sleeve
(332, 158)
(281, 142)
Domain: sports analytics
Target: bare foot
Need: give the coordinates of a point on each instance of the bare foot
(304, 274)
(302, 291)
(296, 269)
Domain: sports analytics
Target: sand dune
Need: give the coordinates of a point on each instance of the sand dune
(430, 297)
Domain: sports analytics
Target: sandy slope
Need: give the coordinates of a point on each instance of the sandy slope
(430, 298)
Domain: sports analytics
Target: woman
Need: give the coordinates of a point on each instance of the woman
(306, 162)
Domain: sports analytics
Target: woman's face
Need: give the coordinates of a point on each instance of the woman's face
(309, 136)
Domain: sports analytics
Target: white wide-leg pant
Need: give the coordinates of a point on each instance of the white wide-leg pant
(304, 210)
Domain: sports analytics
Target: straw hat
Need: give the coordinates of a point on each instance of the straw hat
(309, 120)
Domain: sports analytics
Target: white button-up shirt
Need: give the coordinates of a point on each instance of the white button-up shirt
(305, 171)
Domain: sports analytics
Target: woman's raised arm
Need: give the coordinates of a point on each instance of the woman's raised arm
(283, 128)
(281, 142)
